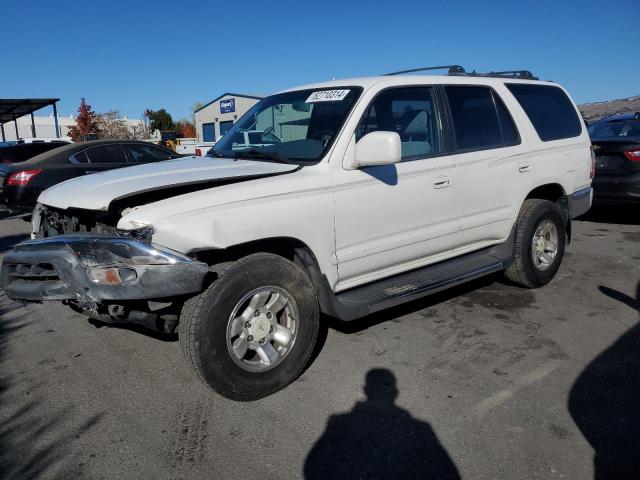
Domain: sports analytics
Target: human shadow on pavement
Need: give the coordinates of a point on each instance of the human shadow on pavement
(378, 440)
(35, 438)
(605, 402)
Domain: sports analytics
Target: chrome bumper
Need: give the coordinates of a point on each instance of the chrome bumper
(580, 202)
(70, 268)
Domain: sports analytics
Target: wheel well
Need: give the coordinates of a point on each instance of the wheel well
(554, 193)
(551, 191)
(286, 247)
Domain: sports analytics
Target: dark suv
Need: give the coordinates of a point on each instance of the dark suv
(21, 182)
(616, 142)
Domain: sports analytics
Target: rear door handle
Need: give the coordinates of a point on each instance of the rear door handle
(441, 182)
(524, 167)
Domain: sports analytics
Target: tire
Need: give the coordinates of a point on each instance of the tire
(207, 331)
(528, 268)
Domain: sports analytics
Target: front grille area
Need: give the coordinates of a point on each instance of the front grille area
(33, 272)
(56, 221)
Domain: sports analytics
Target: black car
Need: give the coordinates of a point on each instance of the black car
(19, 152)
(616, 142)
(22, 182)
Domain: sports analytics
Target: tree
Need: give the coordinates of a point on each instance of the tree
(85, 122)
(186, 128)
(196, 106)
(160, 120)
(111, 125)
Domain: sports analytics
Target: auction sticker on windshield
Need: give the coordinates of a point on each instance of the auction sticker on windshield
(327, 96)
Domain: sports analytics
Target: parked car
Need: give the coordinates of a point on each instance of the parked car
(359, 195)
(22, 180)
(616, 144)
(20, 152)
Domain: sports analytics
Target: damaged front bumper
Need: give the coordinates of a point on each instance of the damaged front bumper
(97, 269)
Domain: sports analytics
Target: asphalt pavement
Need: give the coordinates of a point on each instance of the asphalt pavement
(484, 381)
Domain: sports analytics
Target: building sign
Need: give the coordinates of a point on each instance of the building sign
(228, 105)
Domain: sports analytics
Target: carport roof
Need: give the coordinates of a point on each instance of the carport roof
(11, 108)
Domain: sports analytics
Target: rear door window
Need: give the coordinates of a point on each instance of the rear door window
(146, 153)
(111, 153)
(551, 112)
(480, 119)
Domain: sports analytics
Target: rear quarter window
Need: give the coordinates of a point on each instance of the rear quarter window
(551, 112)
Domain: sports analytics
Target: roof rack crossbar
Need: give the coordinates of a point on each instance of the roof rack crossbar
(458, 70)
(451, 70)
(515, 74)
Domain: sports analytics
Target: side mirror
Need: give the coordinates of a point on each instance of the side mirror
(378, 148)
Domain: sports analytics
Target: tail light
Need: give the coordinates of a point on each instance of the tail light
(633, 154)
(593, 162)
(22, 177)
(198, 152)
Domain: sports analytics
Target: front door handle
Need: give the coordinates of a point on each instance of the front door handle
(524, 167)
(441, 182)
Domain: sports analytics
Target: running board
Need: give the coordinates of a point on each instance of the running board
(373, 297)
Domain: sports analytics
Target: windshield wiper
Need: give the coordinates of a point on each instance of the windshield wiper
(214, 153)
(253, 153)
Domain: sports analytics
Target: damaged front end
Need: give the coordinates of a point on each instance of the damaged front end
(111, 278)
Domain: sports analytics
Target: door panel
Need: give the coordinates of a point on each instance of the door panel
(491, 183)
(493, 164)
(394, 218)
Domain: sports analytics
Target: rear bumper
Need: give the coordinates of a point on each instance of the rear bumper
(59, 269)
(580, 202)
(623, 189)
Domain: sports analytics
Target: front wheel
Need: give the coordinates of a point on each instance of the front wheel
(252, 332)
(540, 242)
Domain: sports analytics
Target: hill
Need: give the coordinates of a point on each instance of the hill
(597, 110)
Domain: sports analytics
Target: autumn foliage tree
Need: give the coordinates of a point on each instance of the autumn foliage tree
(85, 122)
(186, 128)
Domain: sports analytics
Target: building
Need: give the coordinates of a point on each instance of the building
(216, 117)
(45, 126)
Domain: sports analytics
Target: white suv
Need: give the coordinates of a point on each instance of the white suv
(354, 196)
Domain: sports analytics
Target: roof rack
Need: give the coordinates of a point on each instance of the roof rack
(457, 70)
(451, 70)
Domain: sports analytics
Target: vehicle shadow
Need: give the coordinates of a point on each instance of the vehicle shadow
(34, 438)
(132, 327)
(378, 439)
(604, 402)
(621, 215)
(386, 315)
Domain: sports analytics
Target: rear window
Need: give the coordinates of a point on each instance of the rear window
(110, 153)
(616, 128)
(22, 152)
(551, 112)
(146, 153)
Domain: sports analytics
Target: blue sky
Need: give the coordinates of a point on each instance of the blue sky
(138, 54)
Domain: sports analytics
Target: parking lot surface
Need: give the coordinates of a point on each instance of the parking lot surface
(484, 381)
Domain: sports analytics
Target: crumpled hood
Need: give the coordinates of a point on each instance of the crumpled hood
(97, 190)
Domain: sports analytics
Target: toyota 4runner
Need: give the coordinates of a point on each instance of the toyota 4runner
(351, 197)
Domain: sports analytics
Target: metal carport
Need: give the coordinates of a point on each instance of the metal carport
(13, 108)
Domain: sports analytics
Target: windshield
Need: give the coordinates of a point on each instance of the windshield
(292, 127)
(616, 128)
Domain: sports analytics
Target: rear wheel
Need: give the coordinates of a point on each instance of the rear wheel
(540, 242)
(253, 330)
